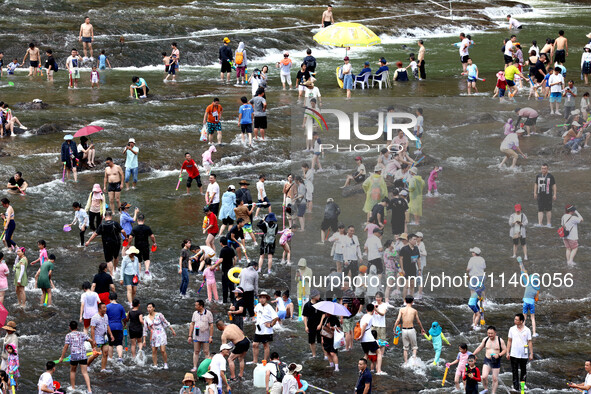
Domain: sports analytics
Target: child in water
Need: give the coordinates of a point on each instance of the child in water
(209, 277)
(207, 162)
(461, 360)
(472, 376)
(432, 181)
(436, 336)
(12, 363)
(284, 242)
(12, 66)
(509, 127)
(94, 77)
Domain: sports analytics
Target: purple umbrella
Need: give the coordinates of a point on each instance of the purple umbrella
(333, 308)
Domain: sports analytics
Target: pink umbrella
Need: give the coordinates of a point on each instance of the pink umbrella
(3, 315)
(88, 130)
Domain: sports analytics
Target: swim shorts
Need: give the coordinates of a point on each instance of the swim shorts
(508, 59)
(87, 39)
(464, 59)
(409, 339)
(510, 82)
(560, 56)
(226, 67)
(370, 347)
(544, 203)
(246, 128)
(34, 63)
(111, 251)
(144, 253)
(197, 179)
(213, 127)
(242, 346)
(493, 363)
(555, 97)
(78, 362)
(260, 122)
(114, 187)
(263, 338)
(118, 335)
(527, 307)
(313, 336)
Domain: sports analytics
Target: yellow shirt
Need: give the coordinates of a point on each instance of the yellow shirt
(510, 72)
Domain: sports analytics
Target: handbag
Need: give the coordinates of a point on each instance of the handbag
(135, 280)
(562, 231)
(339, 339)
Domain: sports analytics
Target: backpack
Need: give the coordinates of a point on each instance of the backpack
(239, 58)
(269, 237)
(310, 63)
(280, 371)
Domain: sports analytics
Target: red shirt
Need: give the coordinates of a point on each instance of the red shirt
(213, 222)
(191, 168)
(501, 84)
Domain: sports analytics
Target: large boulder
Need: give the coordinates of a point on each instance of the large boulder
(48, 128)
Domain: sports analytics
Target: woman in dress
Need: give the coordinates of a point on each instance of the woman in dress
(4, 271)
(586, 63)
(20, 276)
(156, 324)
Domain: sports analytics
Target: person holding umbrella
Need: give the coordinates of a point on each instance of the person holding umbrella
(329, 325)
(69, 156)
(86, 150)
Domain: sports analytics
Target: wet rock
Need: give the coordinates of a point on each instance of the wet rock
(48, 128)
(30, 106)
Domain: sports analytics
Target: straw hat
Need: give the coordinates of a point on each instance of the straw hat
(10, 326)
(132, 250)
(189, 376)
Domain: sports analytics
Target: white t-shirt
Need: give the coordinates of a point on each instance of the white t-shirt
(209, 252)
(91, 300)
(464, 47)
(510, 141)
(508, 46)
(519, 340)
(367, 335)
(261, 193)
(373, 244)
(347, 68)
(265, 314)
(272, 367)
(378, 320)
(214, 188)
(553, 79)
(280, 304)
(514, 23)
(588, 379)
(476, 265)
(310, 94)
(73, 63)
(45, 379)
(218, 364)
(570, 223)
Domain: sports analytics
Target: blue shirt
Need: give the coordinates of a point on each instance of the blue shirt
(472, 70)
(126, 222)
(382, 69)
(116, 313)
(141, 81)
(102, 59)
(364, 378)
(131, 159)
(365, 70)
(228, 205)
(246, 111)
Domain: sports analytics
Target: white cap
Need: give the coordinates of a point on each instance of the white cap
(475, 250)
(232, 187)
(226, 346)
(132, 140)
(576, 124)
(419, 234)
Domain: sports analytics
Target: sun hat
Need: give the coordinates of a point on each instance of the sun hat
(244, 182)
(132, 250)
(475, 250)
(302, 262)
(207, 375)
(226, 346)
(10, 326)
(68, 137)
(189, 376)
(271, 218)
(403, 236)
(132, 140)
(96, 188)
(264, 294)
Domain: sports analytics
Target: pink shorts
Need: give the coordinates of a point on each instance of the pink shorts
(570, 244)
(240, 71)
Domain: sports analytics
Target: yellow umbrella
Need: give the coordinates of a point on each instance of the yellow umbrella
(347, 34)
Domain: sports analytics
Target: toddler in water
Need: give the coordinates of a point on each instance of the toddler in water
(207, 162)
(94, 77)
(432, 181)
(284, 242)
(12, 66)
(413, 66)
(509, 127)
(209, 277)
(501, 86)
(461, 360)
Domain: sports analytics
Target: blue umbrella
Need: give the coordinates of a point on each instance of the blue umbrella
(333, 308)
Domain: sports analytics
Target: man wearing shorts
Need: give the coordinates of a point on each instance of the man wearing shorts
(232, 333)
(86, 35)
(266, 318)
(531, 118)
(556, 84)
(114, 177)
(142, 234)
(110, 231)
(73, 63)
(464, 53)
(260, 113)
(225, 56)
(509, 51)
(406, 318)
(213, 119)
(212, 195)
(495, 349)
(34, 58)
(312, 319)
(560, 48)
(368, 341)
(116, 314)
(101, 333)
(75, 341)
(545, 193)
(327, 18)
(200, 332)
(192, 173)
(245, 119)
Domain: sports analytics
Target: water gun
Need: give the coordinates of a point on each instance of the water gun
(205, 222)
(125, 335)
(382, 342)
(482, 321)
(444, 375)
(569, 383)
(522, 387)
(92, 353)
(12, 382)
(300, 296)
(397, 334)
(232, 64)
(45, 301)
(179, 182)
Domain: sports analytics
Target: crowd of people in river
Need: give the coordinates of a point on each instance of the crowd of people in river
(235, 217)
